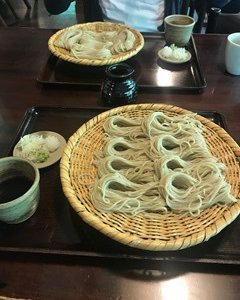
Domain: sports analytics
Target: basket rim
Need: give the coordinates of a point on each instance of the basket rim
(130, 239)
(96, 62)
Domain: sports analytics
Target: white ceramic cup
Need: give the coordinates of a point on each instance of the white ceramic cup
(232, 54)
(19, 189)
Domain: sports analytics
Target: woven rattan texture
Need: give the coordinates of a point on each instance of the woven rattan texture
(98, 27)
(157, 232)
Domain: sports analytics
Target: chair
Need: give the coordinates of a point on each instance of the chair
(2, 21)
(27, 4)
(11, 8)
(196, 8)
(222, 22)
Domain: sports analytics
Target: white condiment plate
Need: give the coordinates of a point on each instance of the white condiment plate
(172, 60)
(54, 156)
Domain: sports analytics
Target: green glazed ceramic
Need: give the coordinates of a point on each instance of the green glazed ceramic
(19, 189)
(178, 29)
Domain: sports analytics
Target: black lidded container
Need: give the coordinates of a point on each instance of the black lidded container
(119, 87)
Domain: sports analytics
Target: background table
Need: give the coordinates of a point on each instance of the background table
(23, 52)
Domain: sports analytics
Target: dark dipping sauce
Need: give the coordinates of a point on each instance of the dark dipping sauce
(182, 22)
(14, 187)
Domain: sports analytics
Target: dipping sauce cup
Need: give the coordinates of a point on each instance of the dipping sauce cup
(19, 189)
(119, 87)
(178, 29)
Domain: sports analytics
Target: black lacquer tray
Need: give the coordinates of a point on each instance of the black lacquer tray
(56, 229)
(150, 72)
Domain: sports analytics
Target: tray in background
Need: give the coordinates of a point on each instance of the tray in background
(56, 229)
(150, 72)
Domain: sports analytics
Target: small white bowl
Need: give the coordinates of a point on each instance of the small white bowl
(54, 156)
(172, 60)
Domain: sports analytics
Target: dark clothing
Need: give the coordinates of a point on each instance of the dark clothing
(91, 9)
(232, 7)
(57, 7)
(227, 6)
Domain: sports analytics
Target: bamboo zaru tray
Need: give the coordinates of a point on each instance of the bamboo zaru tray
(96, 27)
(169, 231)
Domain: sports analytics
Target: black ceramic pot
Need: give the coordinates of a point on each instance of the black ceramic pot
(119, 88)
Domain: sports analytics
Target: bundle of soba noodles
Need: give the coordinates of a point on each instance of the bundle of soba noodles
(157, 164)
(93, 45)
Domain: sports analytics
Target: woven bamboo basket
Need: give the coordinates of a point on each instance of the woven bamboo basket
(156, 232)
(98, 27)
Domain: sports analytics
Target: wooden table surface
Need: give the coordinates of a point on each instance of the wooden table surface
(23, 53)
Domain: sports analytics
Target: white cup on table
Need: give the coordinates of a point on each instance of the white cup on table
(232, 54)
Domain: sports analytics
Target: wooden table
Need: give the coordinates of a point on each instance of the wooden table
(23, 52)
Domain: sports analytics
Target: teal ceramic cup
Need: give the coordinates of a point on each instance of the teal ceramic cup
(178, 29)
(19, 189)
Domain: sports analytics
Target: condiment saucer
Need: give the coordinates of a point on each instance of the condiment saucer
(172, 60)
(53, 157)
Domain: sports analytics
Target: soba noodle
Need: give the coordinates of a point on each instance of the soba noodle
(157, 164)
(95, 45)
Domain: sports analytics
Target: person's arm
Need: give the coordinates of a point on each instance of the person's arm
(57, 7)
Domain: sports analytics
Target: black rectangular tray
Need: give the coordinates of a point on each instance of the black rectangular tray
(56, 229)
(150, 72)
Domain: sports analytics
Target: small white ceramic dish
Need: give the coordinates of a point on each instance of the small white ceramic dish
(172, 60)
(54, 156)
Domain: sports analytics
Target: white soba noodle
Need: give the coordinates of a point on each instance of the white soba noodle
(87, 44)
(157, 164)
